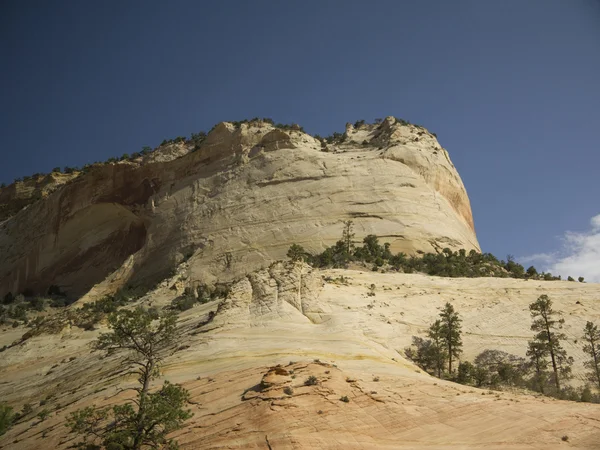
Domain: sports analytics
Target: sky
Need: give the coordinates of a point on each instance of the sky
(510, 87)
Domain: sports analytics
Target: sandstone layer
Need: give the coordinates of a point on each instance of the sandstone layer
(352, 342)
(235, 205)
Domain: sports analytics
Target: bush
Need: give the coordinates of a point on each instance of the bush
(59, 302)
(18, 312)
(43, 414)
(465, 372)
(296, 253)
(288, 390)
(6, 418)
(344, 399)
(27, 409)
(37, 304)
(183, 302)
(311, 381)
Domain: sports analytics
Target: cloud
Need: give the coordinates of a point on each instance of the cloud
(579, 256)
(540, 258)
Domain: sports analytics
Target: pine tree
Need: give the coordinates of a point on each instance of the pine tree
(348, 237)
(591, 334)
(450, 330)
(143, 422)
(537, 353)
(547, 331)
(296, 252)
(438, 346)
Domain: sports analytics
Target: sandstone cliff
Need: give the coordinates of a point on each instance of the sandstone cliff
(235, 205)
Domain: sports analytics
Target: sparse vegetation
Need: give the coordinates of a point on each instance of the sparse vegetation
(345, 399)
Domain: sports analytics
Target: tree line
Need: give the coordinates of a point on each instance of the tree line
(446, 263)
(546, 368)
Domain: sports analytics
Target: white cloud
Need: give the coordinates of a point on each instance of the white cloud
(540, 258)
(580, 255)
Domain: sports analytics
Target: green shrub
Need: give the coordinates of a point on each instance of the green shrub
(37, 304)
(6, 418)
(184, 302)
(296, 252)
(311, 381)
(27, 409)
(43, 414)
(465, 372)
(345, 399)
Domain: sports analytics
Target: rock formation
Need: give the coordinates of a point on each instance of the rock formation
(234, 205)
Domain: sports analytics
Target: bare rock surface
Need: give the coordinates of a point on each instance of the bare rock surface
(247, 361)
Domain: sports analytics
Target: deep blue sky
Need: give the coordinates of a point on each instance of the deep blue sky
(512, 88)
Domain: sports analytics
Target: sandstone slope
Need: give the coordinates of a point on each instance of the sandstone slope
(235, 205)
(352, 342)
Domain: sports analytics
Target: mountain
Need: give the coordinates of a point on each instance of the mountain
(232, 203)
(276, 353)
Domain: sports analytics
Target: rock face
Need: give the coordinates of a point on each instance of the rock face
(235, 205)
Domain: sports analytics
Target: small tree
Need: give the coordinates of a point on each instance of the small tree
(546, 327)
(532, 272)
(450, 330)
(296, 253)
(145, 421)
(348, 237)
(580, 279)
(591, 334)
